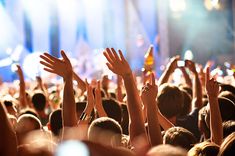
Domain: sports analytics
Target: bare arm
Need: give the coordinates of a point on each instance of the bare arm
(186, 77)
(64, 69)
(22, 94)
(98, 101)
(85, 118)
(119, 65)
(164, 122)
(172, 65)
(80, 82)
(119, 89)
(148, 96)
(197, 87)
(216, 128)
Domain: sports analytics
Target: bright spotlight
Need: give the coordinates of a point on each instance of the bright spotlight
(212, 4)
(32, 67)
(177, 5)
(188, 55)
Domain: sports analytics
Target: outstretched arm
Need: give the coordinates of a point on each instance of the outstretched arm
(22, 94)
(216, 128)
(80, 82)
(197, 87)
(64, 69)
(119, 65)
(186, 77)
(172, 65)
(98, 101)
(148, 96)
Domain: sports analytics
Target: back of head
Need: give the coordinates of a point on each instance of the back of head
(187, 103)
(39, 101)
(166, 150)
(105, 130)
(227, 109)
(170, 100)
(228, 94)
(204, 149)
(113, 109)
(228, 128)
(227, 87)
(179, 136)
(227, 148)
(55, 121)
(27, 123)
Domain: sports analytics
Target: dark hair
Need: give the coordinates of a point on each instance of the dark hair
(80, 107)
(227, 87)
(179, 136)
(55, 121)
(170, 100)
(187, 104)
(113, 109)
(125, 119)
(227, 109)
(28, 111)
(228, 128)
(228, 94)
(39, 101)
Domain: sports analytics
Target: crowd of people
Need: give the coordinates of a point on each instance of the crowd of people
(154, 117)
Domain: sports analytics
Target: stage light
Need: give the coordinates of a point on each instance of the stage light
(188, 55)
(212, 4)
(32, 67)
(177, 5)
(14, 67)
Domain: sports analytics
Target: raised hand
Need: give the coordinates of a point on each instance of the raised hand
(171, 66)
(148, 96)
(191, 65)
(98, 101)
(117, 64)
(212, 88)
(54, 65)
(64, 69)
(149, 91)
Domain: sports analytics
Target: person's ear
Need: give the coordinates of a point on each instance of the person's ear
(49, 126)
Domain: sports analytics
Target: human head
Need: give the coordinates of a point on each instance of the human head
(166, 150)
(39, 101)
(228, 128)
(170, 100)
(205, 148)
(113, 109)
(25, 124)
(179, 136)
(187, 103)
(55, 122)
(105, 130)
(227, 148)
(228, 94)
